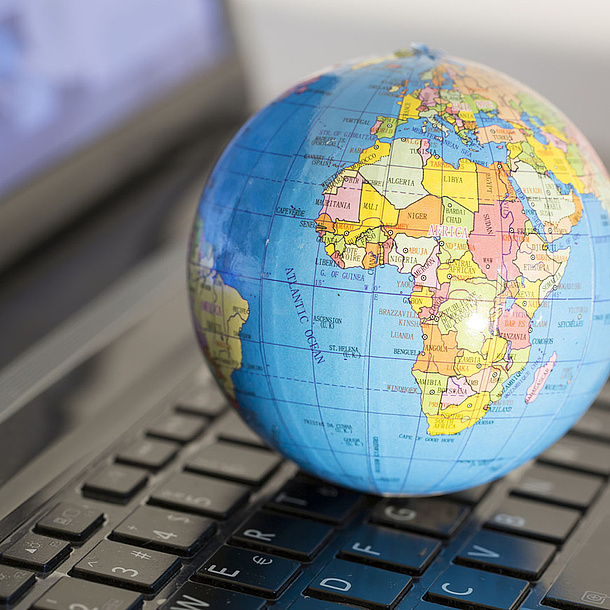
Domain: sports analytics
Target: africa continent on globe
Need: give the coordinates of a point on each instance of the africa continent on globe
(400, 274)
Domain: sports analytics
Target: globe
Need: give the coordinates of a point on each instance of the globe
(399, 274)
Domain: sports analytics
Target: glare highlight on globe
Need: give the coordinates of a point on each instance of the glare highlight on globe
(399, 274)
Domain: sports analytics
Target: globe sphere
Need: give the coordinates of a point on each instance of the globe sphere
(399, 274)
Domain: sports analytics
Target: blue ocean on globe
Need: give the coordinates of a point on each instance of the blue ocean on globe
(399, 274)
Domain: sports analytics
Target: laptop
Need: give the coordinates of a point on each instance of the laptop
(126, 481)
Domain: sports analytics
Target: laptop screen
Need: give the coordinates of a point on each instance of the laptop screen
(91, 93)
(71, 70)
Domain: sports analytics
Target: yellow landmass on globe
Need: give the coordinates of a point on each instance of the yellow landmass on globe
(463, 268)
(528, 296)
(220, 312)
(442, 179)
(432, 386)
(420, 299)
(555, 160)
(376, 207)
(408, 107)
(452, 419)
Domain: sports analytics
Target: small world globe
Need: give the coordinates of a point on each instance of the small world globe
(400, 274)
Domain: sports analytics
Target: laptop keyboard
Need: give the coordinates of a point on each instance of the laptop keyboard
(193, 511)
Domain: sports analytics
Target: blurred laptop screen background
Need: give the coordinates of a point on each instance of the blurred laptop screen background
(71, 70)
(105, 107)
(74, 79)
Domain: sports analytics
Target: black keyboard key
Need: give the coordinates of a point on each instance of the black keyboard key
(206, 401)
(580, 454)
(37, 552)
(466, 588)
(202, 495)
(195, 596)
(242, 464)
(75, 594)
(178, 427)
(511, 555)
(534, 520)
(249, 571)
(316, 500)
(14, 582)
(432, 516)
(391, 550)
(311, 603)
(595, 423)
(164, 530)
(152, 454)
(470, 496)
(117, 484)
(295, 538)
(128, 566)
(352, 583)
(559, 486)
(72, 521)
(585, 580)
(233, 429)
(408, 605)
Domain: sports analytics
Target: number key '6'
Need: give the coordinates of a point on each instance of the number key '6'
(510, 520)
(445, 587)
(400, 514)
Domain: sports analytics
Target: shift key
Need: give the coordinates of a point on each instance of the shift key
(584, 581)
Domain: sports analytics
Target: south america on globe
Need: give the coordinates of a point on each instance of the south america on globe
(400, 273)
